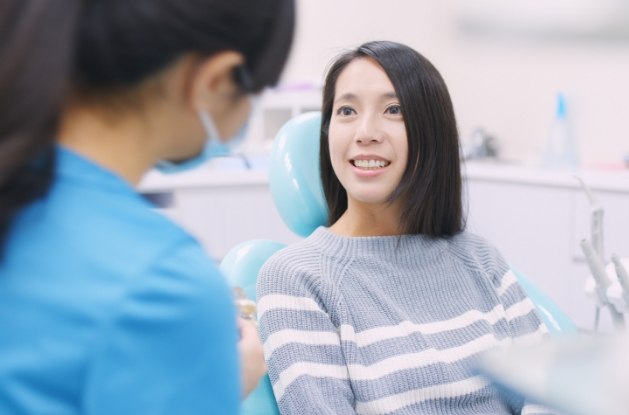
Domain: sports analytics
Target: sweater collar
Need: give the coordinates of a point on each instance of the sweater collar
(384, 247)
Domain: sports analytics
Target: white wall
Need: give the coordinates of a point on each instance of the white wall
(506, 84)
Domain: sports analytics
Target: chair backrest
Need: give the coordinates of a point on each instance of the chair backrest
(554, 317)
(298, 196)
(294, 174)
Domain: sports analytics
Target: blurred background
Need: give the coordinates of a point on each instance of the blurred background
(504, 62)
(541, 92)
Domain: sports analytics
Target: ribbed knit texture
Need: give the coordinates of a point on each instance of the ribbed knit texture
(390, 325)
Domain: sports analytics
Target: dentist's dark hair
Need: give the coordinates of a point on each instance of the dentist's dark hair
(430, 188)
(51, 49)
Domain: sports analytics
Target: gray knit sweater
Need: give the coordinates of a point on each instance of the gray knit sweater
(389, 325)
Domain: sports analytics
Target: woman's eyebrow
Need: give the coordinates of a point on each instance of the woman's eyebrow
(348, 96)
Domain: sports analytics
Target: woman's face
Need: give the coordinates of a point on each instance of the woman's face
(367, 136)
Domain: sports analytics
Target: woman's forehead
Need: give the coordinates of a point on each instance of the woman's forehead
(363, 76)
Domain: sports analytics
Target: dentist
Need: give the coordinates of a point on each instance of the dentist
(106, 307)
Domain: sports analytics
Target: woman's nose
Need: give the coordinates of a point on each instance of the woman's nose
(368, 130)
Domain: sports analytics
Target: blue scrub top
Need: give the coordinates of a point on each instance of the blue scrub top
(107, 307)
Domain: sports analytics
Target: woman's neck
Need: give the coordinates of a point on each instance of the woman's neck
(368, 221)
(118, 144)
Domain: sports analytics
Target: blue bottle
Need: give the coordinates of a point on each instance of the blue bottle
(561, 151)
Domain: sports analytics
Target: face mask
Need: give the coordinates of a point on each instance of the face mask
(214, 147)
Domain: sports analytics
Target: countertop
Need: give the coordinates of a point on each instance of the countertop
(233, 174)
(616, 180)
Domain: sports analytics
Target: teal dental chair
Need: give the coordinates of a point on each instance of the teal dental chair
(298, 196)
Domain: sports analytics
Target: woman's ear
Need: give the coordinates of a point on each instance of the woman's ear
(211, 80)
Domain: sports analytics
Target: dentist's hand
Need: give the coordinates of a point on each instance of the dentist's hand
(251, 356)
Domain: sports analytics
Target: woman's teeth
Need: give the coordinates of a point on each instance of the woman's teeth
(370, 164)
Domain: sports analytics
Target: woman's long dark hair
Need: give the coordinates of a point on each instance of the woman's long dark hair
(430, 187)
(48, 47)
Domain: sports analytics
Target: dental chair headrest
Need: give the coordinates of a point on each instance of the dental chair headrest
(294, 174)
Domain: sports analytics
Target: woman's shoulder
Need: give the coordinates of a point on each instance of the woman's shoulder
(298, 257)
(477, 252)
(297, 267)
(470, 241)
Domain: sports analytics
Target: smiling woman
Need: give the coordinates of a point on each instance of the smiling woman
(386, 309)
(414, 107)
(368, 145)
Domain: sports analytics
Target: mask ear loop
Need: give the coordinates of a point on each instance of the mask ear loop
(243, 79)
(208, 125)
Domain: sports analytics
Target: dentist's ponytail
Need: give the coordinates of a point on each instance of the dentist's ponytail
(36, 50)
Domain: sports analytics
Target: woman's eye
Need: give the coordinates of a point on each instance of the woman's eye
(394, 109)
(345, 111)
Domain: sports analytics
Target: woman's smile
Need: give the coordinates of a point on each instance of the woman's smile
(369, 166)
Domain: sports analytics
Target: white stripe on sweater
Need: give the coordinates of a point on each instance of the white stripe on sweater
(315, 370)
(313, 338)
(371, 336)
(285, 302)
(407, 328)
(393, 403)
(387, 366)
(520, 309)
(508, 279)
(531, 409)
(425, 358)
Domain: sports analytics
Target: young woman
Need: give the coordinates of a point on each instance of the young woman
(385, 310)
(106, 307)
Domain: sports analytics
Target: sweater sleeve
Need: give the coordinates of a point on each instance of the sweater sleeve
(301, 342)
(524, 323)
(170, 347)
(526, 327)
